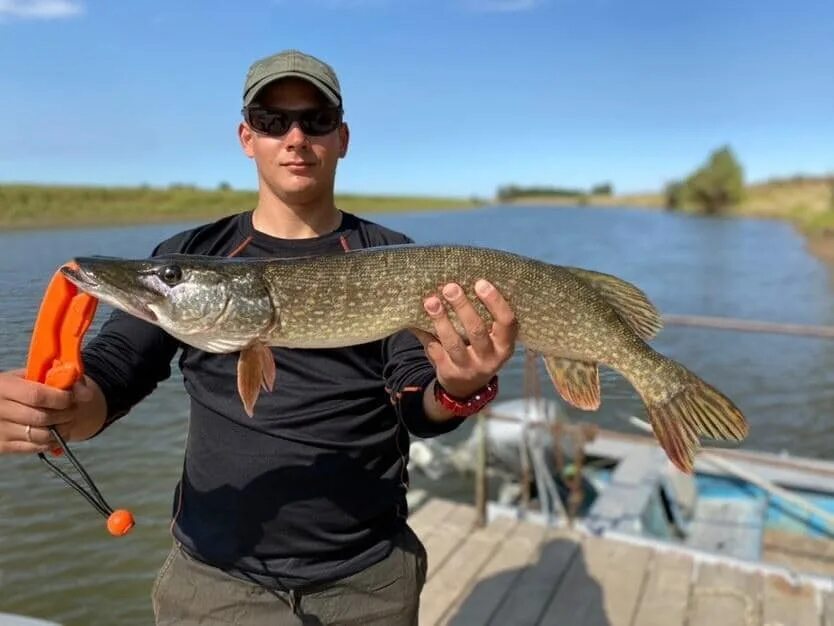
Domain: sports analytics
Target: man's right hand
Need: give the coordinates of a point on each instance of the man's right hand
(28, 409)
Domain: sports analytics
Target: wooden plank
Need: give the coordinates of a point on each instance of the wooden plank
(448, 534)
(724, 595)
(728, 527)
(453, 579)
(531, 591)
(496, 578)
(784, 603)
(424, 519)
(813, 555)
(666, 593)
(602, 587)
(828, 609)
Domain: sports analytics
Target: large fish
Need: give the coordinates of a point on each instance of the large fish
(575, 318)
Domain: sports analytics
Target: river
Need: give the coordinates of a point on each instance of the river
(58, 562)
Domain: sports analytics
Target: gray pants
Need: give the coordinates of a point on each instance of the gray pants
(189, 592)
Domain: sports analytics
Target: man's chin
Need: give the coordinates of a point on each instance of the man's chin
(301, 189)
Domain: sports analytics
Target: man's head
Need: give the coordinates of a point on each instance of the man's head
(292, 128)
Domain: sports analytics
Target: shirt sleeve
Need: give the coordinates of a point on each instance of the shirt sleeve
(128, 359)
(407, 373)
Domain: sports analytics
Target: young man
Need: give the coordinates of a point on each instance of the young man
(297, 515)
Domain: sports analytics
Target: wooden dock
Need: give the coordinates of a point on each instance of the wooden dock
(515, 573)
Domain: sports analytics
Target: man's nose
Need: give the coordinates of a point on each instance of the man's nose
(295, 136)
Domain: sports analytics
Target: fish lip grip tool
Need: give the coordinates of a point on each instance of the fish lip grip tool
(55, 359)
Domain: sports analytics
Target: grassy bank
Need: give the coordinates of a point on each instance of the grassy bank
(807, 202)
(32, 206)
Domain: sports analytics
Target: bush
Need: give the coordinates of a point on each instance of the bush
(718, 184)
(603, 189)
(673, 195)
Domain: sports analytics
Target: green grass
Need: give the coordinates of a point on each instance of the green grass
(32, 206)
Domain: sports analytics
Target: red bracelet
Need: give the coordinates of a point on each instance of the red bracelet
(464, 407)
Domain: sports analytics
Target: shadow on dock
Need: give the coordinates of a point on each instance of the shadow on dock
(557, 589)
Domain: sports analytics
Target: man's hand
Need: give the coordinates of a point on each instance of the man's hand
(464, 368)
(28, 409)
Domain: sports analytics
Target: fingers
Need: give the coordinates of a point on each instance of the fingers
(22, 447)
(453, 345)
(475, 327)
(505, 326)
(21, 439)
(34, 394)
(28, 416)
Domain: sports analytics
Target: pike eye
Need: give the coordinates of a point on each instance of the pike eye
(171, 274)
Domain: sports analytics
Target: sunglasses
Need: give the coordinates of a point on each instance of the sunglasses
(277, 122)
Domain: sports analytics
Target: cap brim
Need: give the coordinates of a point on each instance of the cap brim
(331, 96)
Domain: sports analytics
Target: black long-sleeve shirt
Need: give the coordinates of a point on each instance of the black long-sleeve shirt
(312, 488)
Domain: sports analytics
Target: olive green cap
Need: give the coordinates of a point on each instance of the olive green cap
(296, 64)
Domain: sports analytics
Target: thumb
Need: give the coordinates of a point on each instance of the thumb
(430, 344)
(81, 391)
(423, 337)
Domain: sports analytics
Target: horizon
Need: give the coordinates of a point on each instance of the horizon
(455, 100)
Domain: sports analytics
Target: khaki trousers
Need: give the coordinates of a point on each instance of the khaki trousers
(188, 592)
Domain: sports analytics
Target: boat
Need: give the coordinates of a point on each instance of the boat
(8, 619)
(753, 507)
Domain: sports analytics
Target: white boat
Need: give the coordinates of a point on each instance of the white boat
(743, 505)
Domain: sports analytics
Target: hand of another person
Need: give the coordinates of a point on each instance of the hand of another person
(28, 409)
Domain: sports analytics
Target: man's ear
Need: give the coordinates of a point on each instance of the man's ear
(344, 140)
(246, 138)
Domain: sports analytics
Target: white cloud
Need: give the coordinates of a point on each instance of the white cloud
(40, 9)
(502, 6)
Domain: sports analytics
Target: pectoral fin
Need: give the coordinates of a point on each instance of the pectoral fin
(576, 381)
(255, 369)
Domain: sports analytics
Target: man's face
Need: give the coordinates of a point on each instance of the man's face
(297, 168)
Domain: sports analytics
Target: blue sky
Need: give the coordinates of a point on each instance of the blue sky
(442, 96)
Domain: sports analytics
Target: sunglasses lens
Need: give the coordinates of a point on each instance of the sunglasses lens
(274, 123)
(321, 121)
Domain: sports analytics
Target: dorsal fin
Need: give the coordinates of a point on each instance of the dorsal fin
(632, 305)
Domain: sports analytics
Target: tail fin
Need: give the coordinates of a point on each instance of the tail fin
(696, 410)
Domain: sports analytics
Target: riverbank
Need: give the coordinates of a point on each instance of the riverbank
(805, 202)
(35, 206)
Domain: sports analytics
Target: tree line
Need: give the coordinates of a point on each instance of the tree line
(514, 192)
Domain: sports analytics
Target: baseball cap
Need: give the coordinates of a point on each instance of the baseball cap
(292, 63)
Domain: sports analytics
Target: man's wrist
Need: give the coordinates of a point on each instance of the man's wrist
(442, 405)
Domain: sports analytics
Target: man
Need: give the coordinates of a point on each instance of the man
(298, 514)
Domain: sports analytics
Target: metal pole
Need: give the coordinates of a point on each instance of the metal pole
(481, 473)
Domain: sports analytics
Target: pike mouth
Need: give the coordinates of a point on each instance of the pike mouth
(78, 276)
(124, 300)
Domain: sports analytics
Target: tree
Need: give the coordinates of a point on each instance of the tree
(673, 195)
(718, 184)
(603, 189)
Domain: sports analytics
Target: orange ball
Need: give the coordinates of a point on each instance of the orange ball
(120, 522)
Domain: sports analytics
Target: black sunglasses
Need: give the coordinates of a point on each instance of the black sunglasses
(276, 122)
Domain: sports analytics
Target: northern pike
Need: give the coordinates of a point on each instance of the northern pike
(576, 319)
